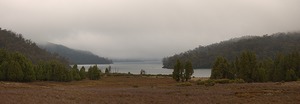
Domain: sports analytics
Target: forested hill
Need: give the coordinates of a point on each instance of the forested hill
(75, 56)
(266, 46)
(15, 42)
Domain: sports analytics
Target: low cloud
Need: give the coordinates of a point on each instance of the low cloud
(145, 28)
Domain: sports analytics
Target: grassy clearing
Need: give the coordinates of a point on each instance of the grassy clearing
(144, 89)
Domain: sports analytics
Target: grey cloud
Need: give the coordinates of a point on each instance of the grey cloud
(146, 28)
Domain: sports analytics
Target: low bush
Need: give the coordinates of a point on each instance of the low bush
(238, 81)
(212, 82)
(206, 82)
(200, 82)
(209, 83)
(222, 81)
(184, 84)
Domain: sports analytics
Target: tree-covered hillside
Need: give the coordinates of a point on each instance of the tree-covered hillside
(75, 56)
(266, 46)
(15, 42)
(17, 55)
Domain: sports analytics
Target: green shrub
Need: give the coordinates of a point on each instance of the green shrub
(222, 81)
(184, 84)
(206, 82)
(200, 82)
(209, 83)
(238, 81)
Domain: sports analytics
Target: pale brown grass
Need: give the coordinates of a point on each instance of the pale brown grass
(145, 90)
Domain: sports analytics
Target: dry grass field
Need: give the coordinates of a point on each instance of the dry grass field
(146, 90)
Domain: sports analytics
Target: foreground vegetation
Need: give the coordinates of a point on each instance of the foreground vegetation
(16, 67)
(182, 72)
(148, 90)
(247, 67)
(22, 60)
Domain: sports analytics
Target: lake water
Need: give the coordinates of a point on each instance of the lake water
(149, 66)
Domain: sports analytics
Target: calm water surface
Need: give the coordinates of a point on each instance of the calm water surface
(150, 67)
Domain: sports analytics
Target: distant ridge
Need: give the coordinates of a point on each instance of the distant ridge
(15, 42)
(266, 46)
(75, 56)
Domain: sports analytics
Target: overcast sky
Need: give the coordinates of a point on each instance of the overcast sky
(145, 28)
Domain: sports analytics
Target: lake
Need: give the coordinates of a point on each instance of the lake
(151, 67)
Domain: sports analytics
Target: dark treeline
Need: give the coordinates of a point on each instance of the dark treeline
(22, 60)
(16, 67)
(284, 67)
(264, 47)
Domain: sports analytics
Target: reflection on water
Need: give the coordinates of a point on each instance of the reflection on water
(149, 67)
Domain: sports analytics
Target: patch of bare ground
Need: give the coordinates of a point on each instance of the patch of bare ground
(145, 90)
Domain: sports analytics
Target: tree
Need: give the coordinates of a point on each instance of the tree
(14, 72)
(279, 71)
(69, 75)
(290, 75)
(4, 57)
(259, 75)
(29, 74)
(293, 62)
(75, 66)
(82, 73)
(177, 72)
(142, 72)
(3, 70)
(247, 65)
(106, 71)
(27, 67)
(188, 70)
(268, 65)
(94, 73)
(283, 68)
(14, 42)
(75, 73)
(16, 67)
(53, 70)
(39, 71)
(232, 71)
(220, 69)
(263, 46)
(43, 71)
(1, 74)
